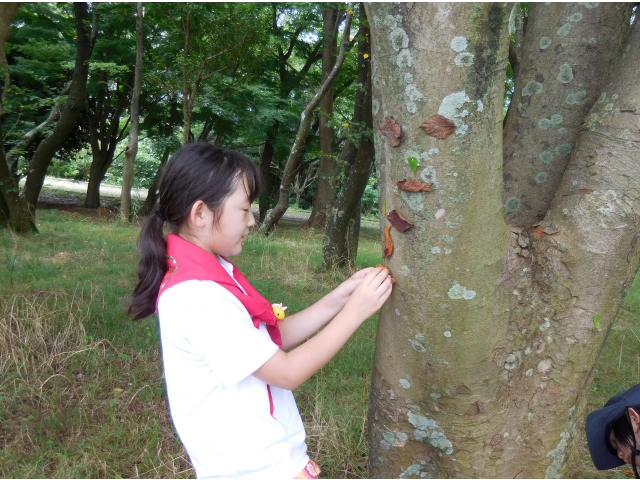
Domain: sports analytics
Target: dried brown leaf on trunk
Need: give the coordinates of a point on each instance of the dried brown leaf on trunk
(388, 243)
(392, 131)
(399, 222)
(438, 126)
(414, 186)
(393, 280)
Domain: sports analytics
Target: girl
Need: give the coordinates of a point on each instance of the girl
(229, 366)
(613, 431)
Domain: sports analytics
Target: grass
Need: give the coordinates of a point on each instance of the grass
(81, 386)
(618, 369)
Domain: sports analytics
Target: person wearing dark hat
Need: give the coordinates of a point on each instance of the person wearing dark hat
(613, 431)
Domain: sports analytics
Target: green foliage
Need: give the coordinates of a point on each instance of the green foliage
(39, 50)
(144, 168)
(370, 197)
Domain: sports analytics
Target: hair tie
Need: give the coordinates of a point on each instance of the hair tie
(159, 214)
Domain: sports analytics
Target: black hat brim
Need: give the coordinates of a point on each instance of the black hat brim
(598, 428)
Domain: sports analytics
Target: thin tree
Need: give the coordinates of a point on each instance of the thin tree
(305, 122)
(338, 249)
(132, 149)
(331, 18)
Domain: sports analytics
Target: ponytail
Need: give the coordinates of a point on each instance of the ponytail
(151, 269)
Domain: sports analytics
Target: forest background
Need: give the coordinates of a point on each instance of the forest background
(234, 74)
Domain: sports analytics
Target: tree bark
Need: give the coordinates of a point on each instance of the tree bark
(22, 211)
(32, 135)
(167, 131)
(338, 247)
(104, 135)
(568, 52)
(132, 149)
(7, 13)
(305, 121)
(325, 191)
(266, 160)
(485, 349)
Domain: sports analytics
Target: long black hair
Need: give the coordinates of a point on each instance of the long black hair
(198, 171)
(622, 429)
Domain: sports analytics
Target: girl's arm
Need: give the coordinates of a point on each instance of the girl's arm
(290, 369)
(301, 325)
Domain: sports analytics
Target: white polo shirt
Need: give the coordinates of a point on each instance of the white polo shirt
(221, 412)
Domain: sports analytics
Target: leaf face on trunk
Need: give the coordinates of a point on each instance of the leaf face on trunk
(414, 186)
(438, 126)
(391, 130)
(399, 222)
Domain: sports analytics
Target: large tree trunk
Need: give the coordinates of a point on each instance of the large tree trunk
(297, 150)
(132, 149)
(568, 52)
(338, 247)
(7, 13)
(23, 211)
(486, 347)
(325, 192)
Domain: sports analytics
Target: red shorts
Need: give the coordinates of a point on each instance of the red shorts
(311, 470)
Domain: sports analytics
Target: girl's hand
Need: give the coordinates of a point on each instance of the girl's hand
(370, 294)
(346, 288)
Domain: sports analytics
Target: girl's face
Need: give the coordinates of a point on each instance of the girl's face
(225, 236)
(624, 452)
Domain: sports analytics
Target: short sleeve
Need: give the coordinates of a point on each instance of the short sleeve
(215, 326)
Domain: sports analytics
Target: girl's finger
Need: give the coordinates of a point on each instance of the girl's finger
(375, 273)
(362, 273)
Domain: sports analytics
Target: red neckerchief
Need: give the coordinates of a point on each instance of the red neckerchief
(189, 262)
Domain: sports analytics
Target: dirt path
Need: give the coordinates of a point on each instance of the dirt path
(78, 186)
(70, 193)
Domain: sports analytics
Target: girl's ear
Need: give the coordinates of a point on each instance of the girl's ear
(634, 415)
(198, 214)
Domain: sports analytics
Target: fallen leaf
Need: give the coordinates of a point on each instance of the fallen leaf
(399, 222)
(118, 391)
(438, 126)
(414, 186)
(585, 191)
(392, 131)
(388, 243)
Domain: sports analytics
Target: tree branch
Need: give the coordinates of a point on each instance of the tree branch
(301, 76)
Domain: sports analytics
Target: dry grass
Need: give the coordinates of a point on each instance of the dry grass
(68, 407)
